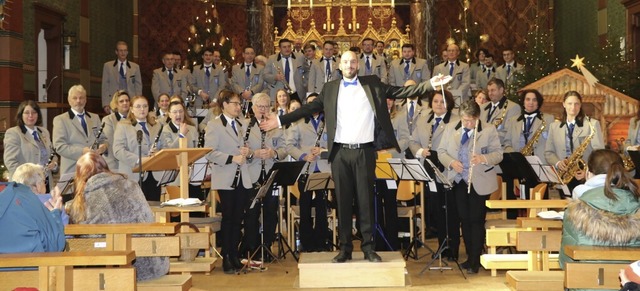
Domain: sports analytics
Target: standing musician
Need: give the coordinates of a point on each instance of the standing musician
(499, 109)
(75, 132)
(162, 111)
(305, 140)
(423, 145)
(324, 69)
(528, 134)
(120, 104)
(208, 80)
(358, 122)
(281, 106)
(247, 78)
(125, 145)
(285, 70)
(469, 151)
(572, 139)
(267, 148)
(230, 174)
(29, 142)
(386, 198)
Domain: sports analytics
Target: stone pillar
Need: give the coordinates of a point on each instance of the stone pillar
(11, 62)
(267, 27)
(430, 39)
(254, 34)
(417, 27)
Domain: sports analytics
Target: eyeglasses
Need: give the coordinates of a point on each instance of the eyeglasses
(144, 106)
(263, 107)
(234, 103)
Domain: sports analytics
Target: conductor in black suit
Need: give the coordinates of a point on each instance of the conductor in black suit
(358, 125)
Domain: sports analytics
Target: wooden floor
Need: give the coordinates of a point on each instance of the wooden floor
(283, 276)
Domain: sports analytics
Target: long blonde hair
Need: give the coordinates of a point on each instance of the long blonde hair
(87, 166)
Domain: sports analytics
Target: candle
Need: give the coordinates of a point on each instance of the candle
(324, 26)
(393, 3)
(370, 3)
(349, 25)
(288, 4)
(357, 25)
(332, 26)
(311, 4)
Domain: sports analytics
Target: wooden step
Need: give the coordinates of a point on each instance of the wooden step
(200, 264)
(535, 280)
(166, 283)
(317, 271)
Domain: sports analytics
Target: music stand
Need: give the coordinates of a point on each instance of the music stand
(547, 174)
(411, 170)
(383, 172)
(320, 181)
(65, 184)
(445, 244)
(287, 174)
(520, 169)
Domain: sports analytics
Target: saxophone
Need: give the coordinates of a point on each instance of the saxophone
(498, 121)
(626, 160)
(575, 162)
(527, 150)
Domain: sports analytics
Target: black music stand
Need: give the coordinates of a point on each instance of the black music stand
(445, 244)
(287, 174)
(383, 172)
(65, 184)
(519, 168)
(635, 158)
(320, 181)
(412, 170)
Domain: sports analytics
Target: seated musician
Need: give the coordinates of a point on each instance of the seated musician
(606, 215)
(102, 196)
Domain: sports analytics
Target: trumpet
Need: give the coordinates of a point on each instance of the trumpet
(285, 83)
(473, 151)
(96, 144)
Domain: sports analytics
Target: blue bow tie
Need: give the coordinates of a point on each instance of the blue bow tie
(347, 84)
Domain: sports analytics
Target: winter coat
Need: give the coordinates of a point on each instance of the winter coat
(112, 198)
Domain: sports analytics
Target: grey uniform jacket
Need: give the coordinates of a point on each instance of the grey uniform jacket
(217, 82)
(160, 83)
(125, 146)
(274, 63)
(378, 67)
(239, 80)
(301, 137)
(418, 71)
(110, 122)
(555, 149)
(461, 77)
(515, 129)
(506, 110)
(225, 144)
(21, 147)
(273, 139)
(111, 80)
(69, 138)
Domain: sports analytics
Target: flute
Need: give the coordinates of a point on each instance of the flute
(473, 151)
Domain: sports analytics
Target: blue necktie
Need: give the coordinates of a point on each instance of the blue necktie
(406, 68)
(570, 128)
(207, 76)
(247, 73)
(287, 69)
(411, 110)
(207, 72)
(347, 84)
(488, 73)
(281, 112)
(143, 124)
(465, 136)
(527, 128)
(171, 75)
(233, 126)
(123, 78)
(435, 125)
(367, 66)
(314, 122)
(450, 69)
(508, 70)
(84, 123)
(122, 70)
(35, 136)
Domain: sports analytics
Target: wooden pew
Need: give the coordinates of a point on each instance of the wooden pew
(538, 244)
(123, 237)
(597, 267)
(55, 271)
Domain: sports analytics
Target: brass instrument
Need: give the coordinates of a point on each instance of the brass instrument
(96, 144)
(527, 150)
(473, 151)
(575, 162)
(285, 83)
(498, 121)
(236, 178)
(626, 160)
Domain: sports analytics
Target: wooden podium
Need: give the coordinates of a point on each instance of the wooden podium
(180, 159)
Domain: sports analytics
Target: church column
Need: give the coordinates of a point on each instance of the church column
(11, 62)
(254, 34)
(267, 27)
(417, 24)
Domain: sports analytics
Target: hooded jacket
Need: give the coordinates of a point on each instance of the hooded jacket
(27, 225)
(596, 220)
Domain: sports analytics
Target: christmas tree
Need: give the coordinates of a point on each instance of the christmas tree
(615, 68)
(207, 32)
(539, 60)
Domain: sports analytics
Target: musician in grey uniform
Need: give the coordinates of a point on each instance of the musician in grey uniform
(268, 148)
(120, 104)
(285, 69)
(120, 74)
(499, 110)
(75, 132)
(247, 79)
(208, 80)
(469, 152)
(424, 144)
(125, 145)
(29, 142)
(408, 68)
(230, 174)
(456, 69)
(324, 69)
(372, 64)
(301, 141)
(168, 80)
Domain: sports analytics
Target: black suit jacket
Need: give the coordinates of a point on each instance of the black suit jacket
(376, 92)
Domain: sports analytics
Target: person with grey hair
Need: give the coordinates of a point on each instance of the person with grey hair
(33, 176)
(470, 150)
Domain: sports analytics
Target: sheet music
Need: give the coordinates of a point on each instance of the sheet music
(168, 177)
(198, 171)
(545, 173)
(439, 175)
(409, 169)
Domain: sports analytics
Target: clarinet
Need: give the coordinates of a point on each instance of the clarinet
(95, 144)
(201, 139)
(263, 172)
(155, 141)
(236, 178)
(317, 144)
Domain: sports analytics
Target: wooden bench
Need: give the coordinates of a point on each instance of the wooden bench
(538, 244)
(597, 267)
(55, 271)
(123, 237)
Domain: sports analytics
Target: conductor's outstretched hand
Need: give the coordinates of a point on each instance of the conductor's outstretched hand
(270, 122)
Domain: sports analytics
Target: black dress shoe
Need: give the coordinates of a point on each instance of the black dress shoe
(341, 257)
(464, 265)
(227, 266)
(236, 263)
(473, 270)
(452, 259)
(371, 256)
